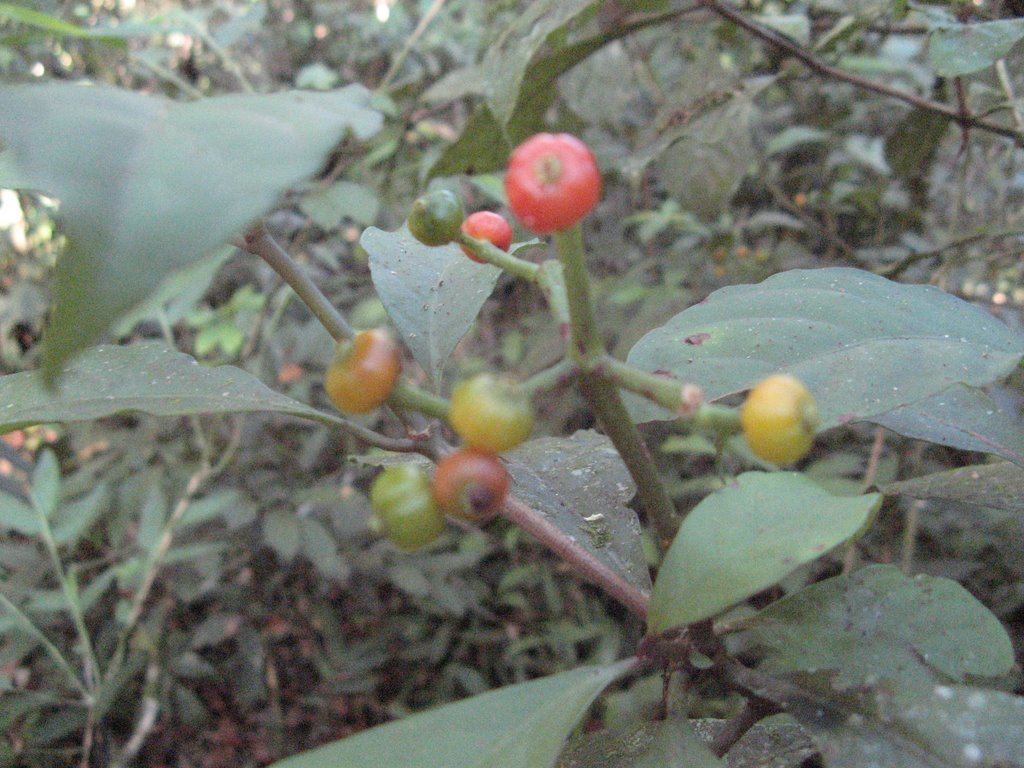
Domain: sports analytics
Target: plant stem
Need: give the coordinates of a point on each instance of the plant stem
(71, 597)
(50, 648)
(558, 375)
(587, 350)
(405, 396)
(962, 118)
(588, 566)
(399, 60)
(259, 243)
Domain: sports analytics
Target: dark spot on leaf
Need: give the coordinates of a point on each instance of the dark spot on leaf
(696, 339)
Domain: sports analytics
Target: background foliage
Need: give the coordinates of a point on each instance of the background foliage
(224, 564)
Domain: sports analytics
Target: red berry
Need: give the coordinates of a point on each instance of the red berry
(470, 484)
(485, 225)
(552, 181)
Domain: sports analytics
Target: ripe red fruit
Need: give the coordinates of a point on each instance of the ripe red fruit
(486, 225)
(552, 181)
(470, 484)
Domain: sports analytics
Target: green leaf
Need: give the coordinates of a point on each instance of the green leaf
(146, 378)
(704, 168)
(45, 493)
(74, 518)
(877, 623)
(795, 26)
(965, 48)
(55, 26)
(847, 334)
(281, 530)
(152, 518)
(17, 516)
(795, 136)
(149, 185)
(773, 743)
(999, 485)
(582, 486)
(482, 147)
(911, 148)
(343, 200)
(962, 417)
(322, 550)
(432, 295)
(745, 538)
(507, 61)
(910, 725)
(519, 726)
(177, 295)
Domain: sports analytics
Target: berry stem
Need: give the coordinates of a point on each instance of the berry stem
(492, 254)
(558, 375)
(679, 398)
(410, 397)
(587, 350)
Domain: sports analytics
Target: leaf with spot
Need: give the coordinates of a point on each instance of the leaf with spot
(141, 378)
(877, 623)
(432, 295)
(909, 724)
(582, 486)
(862, 344)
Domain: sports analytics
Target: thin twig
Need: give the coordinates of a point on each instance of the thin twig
(877, 445)
(145, 722)
(1011, 98)
(417, 33)
(910, 526)
(754, 710)
(30, 628)
(964, 119)
(259, 242)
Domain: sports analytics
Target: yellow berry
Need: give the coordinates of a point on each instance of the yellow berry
(779, 419)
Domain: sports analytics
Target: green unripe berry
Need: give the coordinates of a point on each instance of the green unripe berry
(436, 217)
(404, 508)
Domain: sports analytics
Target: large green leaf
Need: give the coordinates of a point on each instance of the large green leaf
(906, 725)
(999, 485)
(506, 62)
(862, 344)
(745, 537)
(149, 185)
(44, 22)
(965, 48)
(520, 726)
(878, 623)
(432, 295)
(146, 378)
(582, 487)
(674, 743)
(962, 417)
